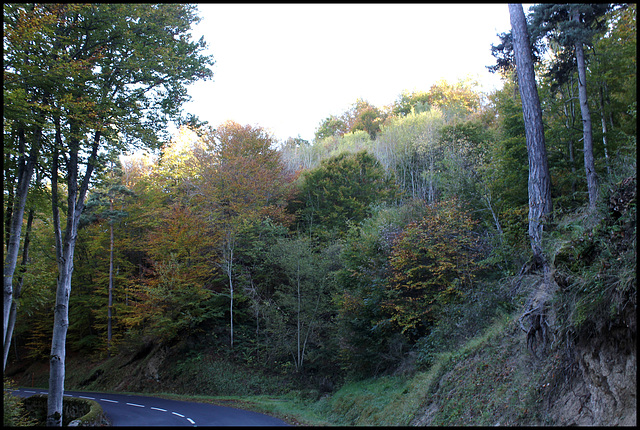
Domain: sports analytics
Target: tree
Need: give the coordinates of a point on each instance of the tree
(367, 340)
(540, 205)
(101, 68)
(407, 102)
(242, 180)
(362, 115)
(616, 70)
(303, 298)
(457, 99)
(330, 126)
(104, 199)
(366, 117)
(575, 25)
(432, 262)
(341, 190)
(408, 147)
(26, 32)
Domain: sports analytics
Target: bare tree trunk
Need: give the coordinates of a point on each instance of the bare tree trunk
(569, 113)
(227, 256)
(540, 204)
(589, 163)
(110, 300)
(64, 255)
(26, 168)
(16, 293)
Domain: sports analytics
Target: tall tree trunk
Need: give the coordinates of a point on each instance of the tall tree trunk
(64, 254)
(9, 196)
(589, 163)
(570, 117)
(16, 293)
(540, 205)
(227, 256)
(26, 168)
(110, 302)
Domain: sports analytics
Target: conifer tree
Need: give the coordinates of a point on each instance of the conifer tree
(540, 205)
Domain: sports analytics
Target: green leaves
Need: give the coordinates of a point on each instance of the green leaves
(341, 190)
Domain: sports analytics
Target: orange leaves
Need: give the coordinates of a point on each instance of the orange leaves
(185, 236)
(242, 174)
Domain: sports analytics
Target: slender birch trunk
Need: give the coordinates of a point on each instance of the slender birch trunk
(603, 121)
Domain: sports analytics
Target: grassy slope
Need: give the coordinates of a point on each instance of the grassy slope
(488, 381)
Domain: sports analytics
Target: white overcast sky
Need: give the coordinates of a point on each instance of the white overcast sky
(286, 67)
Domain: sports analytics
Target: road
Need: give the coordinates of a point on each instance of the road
(130, 410)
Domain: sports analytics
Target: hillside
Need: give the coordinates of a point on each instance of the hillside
(451, 257)
(586, 376)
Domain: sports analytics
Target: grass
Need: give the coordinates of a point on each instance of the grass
(458, 381)
(480, 383)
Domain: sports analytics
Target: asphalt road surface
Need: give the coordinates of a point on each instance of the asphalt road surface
(129, 410)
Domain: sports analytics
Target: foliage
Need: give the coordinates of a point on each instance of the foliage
(432, 262)
(362, 115)
(378, 249)
(200, 373)
(341, 191)
(299, 312)
(455, 99)
(330, 126)
(411, 102)
(598, 264)
(369, 345)
(14, 413)
(409, 148)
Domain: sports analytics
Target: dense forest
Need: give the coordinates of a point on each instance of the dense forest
(399, 233)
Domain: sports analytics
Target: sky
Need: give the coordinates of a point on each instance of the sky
(287, 67)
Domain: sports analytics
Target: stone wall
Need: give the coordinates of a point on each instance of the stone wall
(75, 412)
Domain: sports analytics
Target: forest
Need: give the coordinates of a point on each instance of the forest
(397, 234)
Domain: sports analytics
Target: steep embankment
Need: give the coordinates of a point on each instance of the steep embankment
(499, 382)
(584, 373)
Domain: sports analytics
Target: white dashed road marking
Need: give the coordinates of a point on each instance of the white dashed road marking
(110, 401)
(115, 401)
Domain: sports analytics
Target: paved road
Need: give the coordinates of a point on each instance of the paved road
(129, 410)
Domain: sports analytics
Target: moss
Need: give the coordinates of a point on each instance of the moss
(81, 412)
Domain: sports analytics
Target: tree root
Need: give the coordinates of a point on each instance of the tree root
(538, 312)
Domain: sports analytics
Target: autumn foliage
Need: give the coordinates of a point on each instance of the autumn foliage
(432, 262)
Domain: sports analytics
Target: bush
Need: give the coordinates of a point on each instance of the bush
(14, 411)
